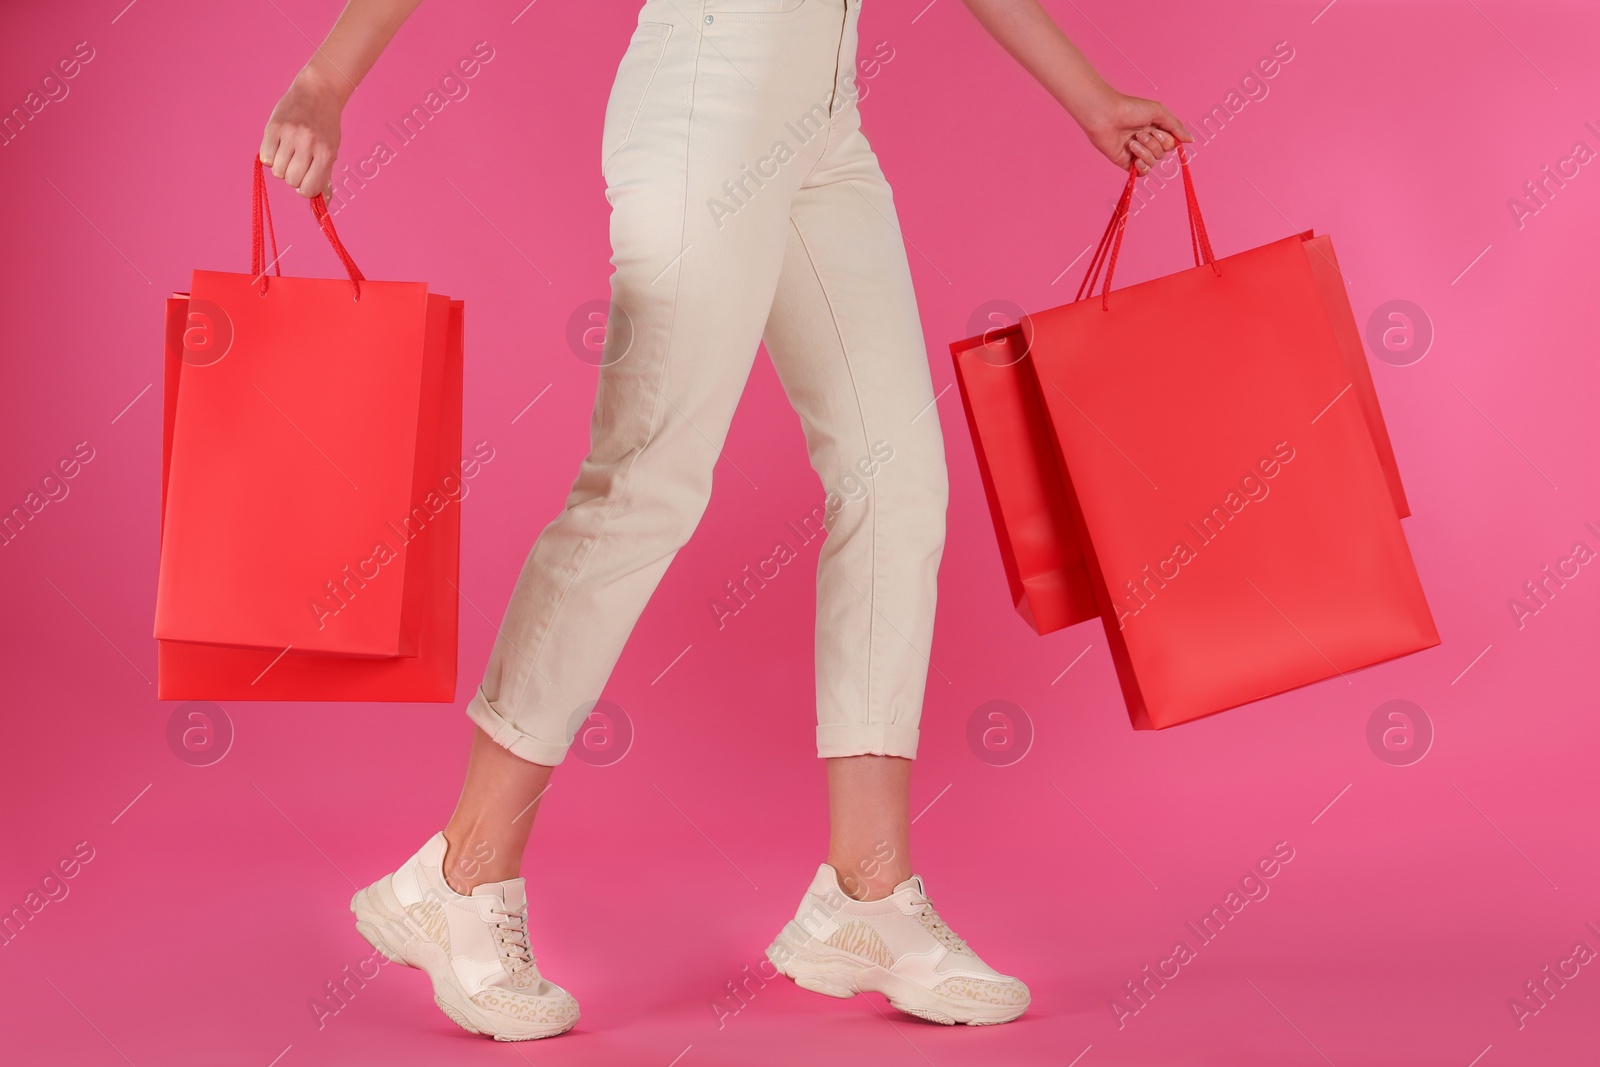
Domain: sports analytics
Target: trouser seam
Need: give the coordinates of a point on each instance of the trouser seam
(872, 582)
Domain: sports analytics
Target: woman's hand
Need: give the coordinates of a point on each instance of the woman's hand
(301, 140)
(1127, 129)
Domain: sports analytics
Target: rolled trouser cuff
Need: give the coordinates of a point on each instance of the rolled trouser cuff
(503, 733)
(866, 739)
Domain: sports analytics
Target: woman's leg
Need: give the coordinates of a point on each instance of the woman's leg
(698, 240)
(697, 261)
(869, 820)
(846, 339)
(489, 829)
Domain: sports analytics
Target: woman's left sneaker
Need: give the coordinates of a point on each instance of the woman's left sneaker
(897, 946)
(475, 948)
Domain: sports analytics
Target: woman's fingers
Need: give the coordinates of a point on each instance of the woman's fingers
(1143, 155)
(1152, 141)
(304, 164)
(282, 157)
(269, 144)
(317, 176)
(295, 173)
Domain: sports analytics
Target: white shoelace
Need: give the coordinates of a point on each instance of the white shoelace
(938, 927)
(511, 935)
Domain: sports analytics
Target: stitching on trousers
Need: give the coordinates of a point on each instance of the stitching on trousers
(822, 154)
(872, 587)
(666, 361)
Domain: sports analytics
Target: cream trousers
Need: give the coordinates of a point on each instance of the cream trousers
(746, 206)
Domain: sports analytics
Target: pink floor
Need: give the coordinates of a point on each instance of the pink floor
(1418, 900)
(1422, 898)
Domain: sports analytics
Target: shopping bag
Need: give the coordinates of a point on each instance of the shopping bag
(1017, 463)
(189, 671)
(297, 458)
(1237, 506)
(1027, 498)
(229, 658)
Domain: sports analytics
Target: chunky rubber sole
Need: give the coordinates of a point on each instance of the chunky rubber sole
(382, 920)
(823, 969)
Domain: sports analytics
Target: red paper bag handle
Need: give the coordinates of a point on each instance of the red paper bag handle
(261, 211)
(1111, 240)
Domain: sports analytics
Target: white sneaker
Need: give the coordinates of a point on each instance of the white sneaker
(475, 948)
(897, 946)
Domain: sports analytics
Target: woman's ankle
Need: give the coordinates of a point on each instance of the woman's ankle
(472, 859)
(872, 876)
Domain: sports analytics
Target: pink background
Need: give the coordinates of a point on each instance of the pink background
(1416, 905)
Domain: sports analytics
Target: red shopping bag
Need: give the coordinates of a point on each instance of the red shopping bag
(310, 485)
(1228, 476)
(1017, 459)
(1027, 498)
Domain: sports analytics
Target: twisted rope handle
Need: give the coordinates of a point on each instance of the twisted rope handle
(261, 217)
(1105, 254)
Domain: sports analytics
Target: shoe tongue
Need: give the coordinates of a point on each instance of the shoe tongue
(512, 892)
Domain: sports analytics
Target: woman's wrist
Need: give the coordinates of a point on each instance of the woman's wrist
(318, 76)
(1093, 106)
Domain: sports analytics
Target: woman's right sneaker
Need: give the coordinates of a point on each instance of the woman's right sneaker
(897, 946)
(474, 948)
